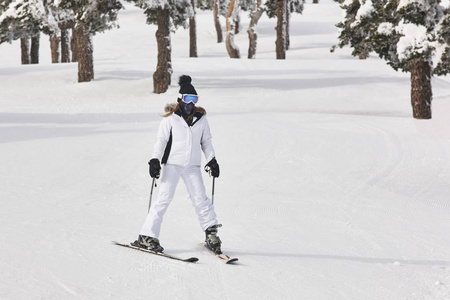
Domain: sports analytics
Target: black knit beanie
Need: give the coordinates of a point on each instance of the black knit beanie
(185, 85)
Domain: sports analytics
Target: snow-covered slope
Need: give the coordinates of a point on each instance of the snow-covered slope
(329, 189)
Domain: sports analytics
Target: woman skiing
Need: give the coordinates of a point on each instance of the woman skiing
(183, 134)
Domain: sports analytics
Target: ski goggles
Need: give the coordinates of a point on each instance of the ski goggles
(188, 98)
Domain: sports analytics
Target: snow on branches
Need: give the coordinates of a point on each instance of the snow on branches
(400, 31)
(26, 18)
(179, 11)
(414, 41)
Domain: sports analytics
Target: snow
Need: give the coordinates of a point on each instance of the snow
(445, 4)
(347, 2)
(329, 189)
(22, 10)
(386, 28)
(419, 3)
(414, 40)
(365, 10)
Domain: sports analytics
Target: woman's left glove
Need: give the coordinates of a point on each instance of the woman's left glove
(213, 168)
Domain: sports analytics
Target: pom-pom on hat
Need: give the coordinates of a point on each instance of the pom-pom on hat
(185, 85)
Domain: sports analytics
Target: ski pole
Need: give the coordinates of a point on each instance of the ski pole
(208, 169)
(212, 198)
(151, 193)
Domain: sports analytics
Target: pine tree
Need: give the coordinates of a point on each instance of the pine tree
(167, 15)
(193, 32)
(66, 20)
(219, 8)
(90, 17)
(351, 32)
(412, 36)
(282, 10)
(26, 19)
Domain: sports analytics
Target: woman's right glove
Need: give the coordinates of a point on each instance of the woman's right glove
(154, 168)
(213, 168)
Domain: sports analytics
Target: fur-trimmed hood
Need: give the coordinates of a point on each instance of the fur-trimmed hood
(171, 107)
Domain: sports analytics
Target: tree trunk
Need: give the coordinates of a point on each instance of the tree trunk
(252, 33)
(315, 1)
(65, 46)
(54, 47)
(217, 21)
(192, 33)
(421, 92)
(73, 45)
(34, 54)
(85, 55)
(25, 53)
(288, 18)
(232, 49)
(281, 30)
(161, 77)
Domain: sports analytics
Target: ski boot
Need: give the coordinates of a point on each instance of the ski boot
(212, 241)
(148, 243)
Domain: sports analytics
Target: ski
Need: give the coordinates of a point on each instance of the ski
(190, 260)
(226, 259)
(223, 257)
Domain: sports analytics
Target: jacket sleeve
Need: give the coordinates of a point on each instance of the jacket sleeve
(206, 142)
(162, 138)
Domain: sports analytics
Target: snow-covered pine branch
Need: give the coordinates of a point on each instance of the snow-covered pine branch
(24, 19)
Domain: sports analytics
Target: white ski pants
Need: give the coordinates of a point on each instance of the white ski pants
(193, 180)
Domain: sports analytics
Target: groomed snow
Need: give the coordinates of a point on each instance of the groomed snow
(329, 189)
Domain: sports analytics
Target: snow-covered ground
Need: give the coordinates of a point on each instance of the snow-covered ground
(329, 189)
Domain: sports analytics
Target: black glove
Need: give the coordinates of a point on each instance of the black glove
(154, 168)
(213, 168)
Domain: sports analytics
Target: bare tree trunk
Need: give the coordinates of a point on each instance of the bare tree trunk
(73, 45)
(161, 77)
(34, 54)
(237, 22)
(315, 1)
(193, 33)
(85, 55)
(54, 47)
(421, 92)
(252, 33)
(25, 53)
(65, 46)
(217, 21)
(281, 30)
(232, 49)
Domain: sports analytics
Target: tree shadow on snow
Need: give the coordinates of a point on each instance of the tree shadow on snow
(27, 133)
(287, 84)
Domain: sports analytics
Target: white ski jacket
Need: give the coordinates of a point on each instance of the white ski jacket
(183, 143)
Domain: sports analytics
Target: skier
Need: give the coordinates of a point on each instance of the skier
(183, 133)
